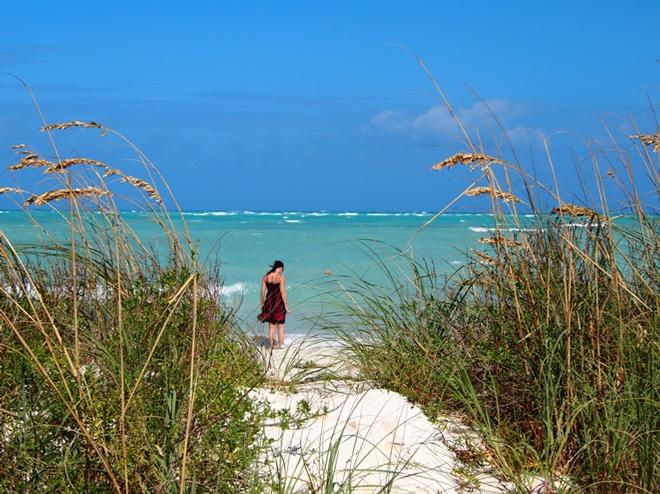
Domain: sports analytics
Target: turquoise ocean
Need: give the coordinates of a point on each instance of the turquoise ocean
(319, 249)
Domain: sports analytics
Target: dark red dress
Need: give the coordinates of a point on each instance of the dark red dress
(273, 310)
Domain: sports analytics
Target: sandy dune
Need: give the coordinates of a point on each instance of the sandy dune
(345, 432)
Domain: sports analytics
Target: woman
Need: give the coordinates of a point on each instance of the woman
(274, 305)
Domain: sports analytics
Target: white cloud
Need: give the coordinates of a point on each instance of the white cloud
(436, 121)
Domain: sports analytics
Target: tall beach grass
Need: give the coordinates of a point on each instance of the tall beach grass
(120, 371)
(547, 339)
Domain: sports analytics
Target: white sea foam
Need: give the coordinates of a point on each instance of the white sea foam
(347, 214)
(580, 225)
(211, 213)
(249, 212)
(239, 288)
(419, 213)
(481, 229)
(315, 213)
(292, 221)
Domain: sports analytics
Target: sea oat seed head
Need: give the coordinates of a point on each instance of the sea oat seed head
(109, 172)
(64, 164)
(499, 194)
(54, 195)
(575, 211)
(4, 190)
(30, 160)
(649, 140)
(499, 240)
(72, 123)
(484, 258)
(471, 159)
(141, 184)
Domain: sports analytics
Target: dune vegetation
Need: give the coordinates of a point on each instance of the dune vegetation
(119, 369)
(547, 340)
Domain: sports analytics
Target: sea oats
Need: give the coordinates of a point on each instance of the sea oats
(575, 211)
(64, 164)
(54, 195)
(141, 184)
(72, 123)
(109, 172)
(4, 190)
(649, 140)
(31, 161)
(471, 159)
(499, 240)
(492, 191)
(484, 258)
(19, 146)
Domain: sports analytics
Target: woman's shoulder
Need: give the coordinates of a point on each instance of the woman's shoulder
(276, 278)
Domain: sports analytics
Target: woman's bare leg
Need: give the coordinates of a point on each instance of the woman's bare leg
(280, 327)
(271, 334)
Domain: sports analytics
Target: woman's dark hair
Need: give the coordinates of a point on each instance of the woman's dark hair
(276, 264)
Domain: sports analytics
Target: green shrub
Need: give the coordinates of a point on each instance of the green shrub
(119, 368)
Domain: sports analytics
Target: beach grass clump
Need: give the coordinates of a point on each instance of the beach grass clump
(120, 370)
(546, 340)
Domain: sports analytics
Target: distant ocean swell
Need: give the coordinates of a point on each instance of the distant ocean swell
(304, 214)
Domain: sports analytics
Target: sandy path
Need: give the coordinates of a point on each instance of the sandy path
(349, 433)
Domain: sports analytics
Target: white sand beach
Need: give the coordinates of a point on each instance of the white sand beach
(348, 433)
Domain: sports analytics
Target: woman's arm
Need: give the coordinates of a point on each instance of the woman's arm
(283, 291)
(263, 291)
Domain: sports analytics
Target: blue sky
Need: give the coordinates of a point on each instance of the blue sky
(308, 105)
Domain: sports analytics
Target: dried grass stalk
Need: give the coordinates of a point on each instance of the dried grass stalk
(141, 184)
(484, 258)
(72, 123)
(31, 160)
(54, 195)
(4, 190)
(575, 211)
(492, 191)
(64, 164)
(499, 240)
(649, 140)
(109, 172)
(19, 146)
(471, 159)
